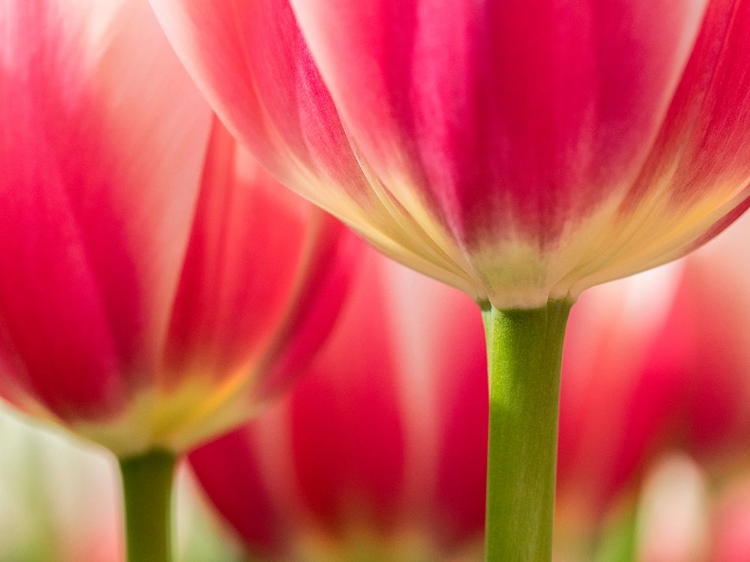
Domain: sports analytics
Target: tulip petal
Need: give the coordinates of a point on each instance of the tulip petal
(696, 180)
(159, 123)
(263, 84)
(508, 119)
(90, 245)
(56, 227)
(254, 67)
(227, 306)
(259, 291)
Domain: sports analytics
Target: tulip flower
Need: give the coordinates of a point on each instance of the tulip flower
(520, 151)
(156, 284)
(712, 422)
(673, 373)
(379, 453)
(641, 380)
(630, 373)
(621, 385)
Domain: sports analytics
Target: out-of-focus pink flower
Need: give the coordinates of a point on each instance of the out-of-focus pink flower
(156, 284)
(618, 379)
(519, 150)
(712, 422)
(653, 363)
(380, 449)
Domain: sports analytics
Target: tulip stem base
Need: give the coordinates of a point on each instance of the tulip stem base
(524, 350)
(147, 489)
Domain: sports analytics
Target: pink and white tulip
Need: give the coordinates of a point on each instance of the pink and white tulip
(156, 284)
(380, 449)
(521, 151)
(655, 363)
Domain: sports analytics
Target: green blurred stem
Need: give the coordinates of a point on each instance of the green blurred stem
(524, 350)
(147, 486)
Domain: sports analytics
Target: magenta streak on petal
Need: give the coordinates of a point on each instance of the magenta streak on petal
(255, 67)
(291, 93)
(720, 149)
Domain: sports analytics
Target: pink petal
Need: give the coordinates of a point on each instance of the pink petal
(231, 475)
(351, 466)
(262, 279)
(704, 135)
(92, 226)
(250, 60)
(255, 68)
(621, 385)
(502, 116)
(701, 158)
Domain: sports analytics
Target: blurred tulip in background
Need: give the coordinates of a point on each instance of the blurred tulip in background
(657, 368)
(379, 452)
(156, 284)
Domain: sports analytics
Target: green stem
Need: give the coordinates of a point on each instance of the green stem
(147, 487)
(524, 350)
